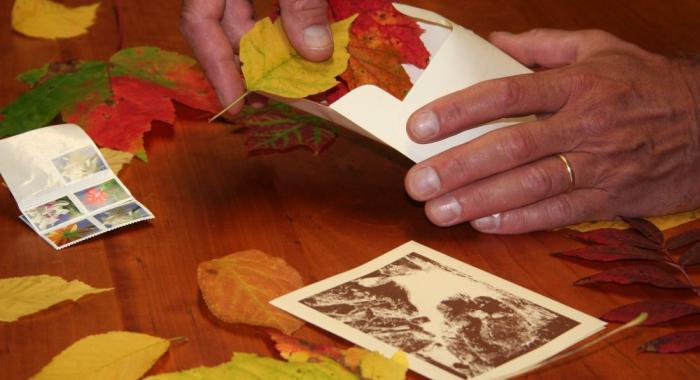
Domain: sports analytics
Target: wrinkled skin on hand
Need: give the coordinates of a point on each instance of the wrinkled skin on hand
(213, 29)
(627, 121)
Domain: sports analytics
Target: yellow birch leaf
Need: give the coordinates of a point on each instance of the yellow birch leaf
(271, 65)
(374, 366)
(116, 159)
(51, 20)
(116, 355)
(665, 222)
(238, 288)
(20, 296)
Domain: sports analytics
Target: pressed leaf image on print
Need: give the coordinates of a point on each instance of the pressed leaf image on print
(460, 324)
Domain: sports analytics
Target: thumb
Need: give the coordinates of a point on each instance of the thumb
(306, 24)
(553, 48)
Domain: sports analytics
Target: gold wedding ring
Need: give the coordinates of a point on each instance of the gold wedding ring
(570, 170)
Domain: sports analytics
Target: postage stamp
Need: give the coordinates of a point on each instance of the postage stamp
(124, 214)
(79, 164)
(72, 233)
(52, 213)
(102, 195)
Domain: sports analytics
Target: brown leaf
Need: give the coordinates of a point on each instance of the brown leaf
(659, 311)
(691, 256)
(646, 228)
(683, 239)
(645, 274)
(606, 253)
(611, 236)
(373, 62)
(237, 288)
(677, 342)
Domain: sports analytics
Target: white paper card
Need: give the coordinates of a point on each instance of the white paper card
(459, 59)
(452, 319)
(63, 186)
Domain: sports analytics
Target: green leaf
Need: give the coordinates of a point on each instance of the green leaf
(31, 77)
(253, 367)
(59, 93)
(151, 64)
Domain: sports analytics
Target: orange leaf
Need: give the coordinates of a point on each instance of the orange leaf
(375, 62)
(237, 289)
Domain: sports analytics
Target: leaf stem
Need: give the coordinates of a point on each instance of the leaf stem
(228, 107)
(563, 355)
(178, 339)
(680, 268)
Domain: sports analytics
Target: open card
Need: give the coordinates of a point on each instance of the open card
(459, 58)
(453, 320)
(63, 186)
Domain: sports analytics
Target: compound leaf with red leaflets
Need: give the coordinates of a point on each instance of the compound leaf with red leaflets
(607, 253)
(683, 239)
(646, 228)
(691, 256)
(645, 274)
(659, 311)
(677, 342)
(611, 236)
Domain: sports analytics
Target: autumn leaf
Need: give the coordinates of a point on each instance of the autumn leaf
(677, 342)
(20, 296)
(647, 229)
(253, 367)
(116, 160)
(645, 274)
(279, 127)
(607, 253)
(271, 65)
(51, 20)
(659, 311)
(691, 256)
(59, 90)
(379, 20)
(114, 355)
(683, 239)
(610, 236)
(378, 64)
(366, 364)
(237, 289)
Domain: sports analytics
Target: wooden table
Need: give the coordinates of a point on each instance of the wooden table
(323, 214)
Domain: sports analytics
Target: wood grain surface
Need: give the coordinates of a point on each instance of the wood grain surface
(323, 214)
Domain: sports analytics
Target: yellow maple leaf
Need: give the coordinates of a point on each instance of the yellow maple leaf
(51, 20)
(375, 366)
(118, 355)
(20, 296)
(271, 65)
(238, 288)
(116, 159)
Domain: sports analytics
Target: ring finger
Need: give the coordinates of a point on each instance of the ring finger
(518, 187)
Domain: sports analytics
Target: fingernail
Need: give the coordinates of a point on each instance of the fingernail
(318, 37)
(445, 210)
(488, 223)
(424, 182)
(424, 125)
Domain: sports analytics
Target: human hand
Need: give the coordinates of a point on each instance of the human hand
(213, 28)
(626, 120)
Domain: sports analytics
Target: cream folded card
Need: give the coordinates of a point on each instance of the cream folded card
(459, 59)
(453, 320)
(63, 186)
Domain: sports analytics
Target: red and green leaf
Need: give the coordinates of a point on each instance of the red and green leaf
(607, 253)
(643, 274)
(683, 239)
(659, 311)
(611, 236)
(279, 127)
(677, 342)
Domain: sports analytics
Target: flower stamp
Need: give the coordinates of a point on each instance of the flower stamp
(121, 215)
(79, 164)
(72, 233)
(102, 195)
(52, 213)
